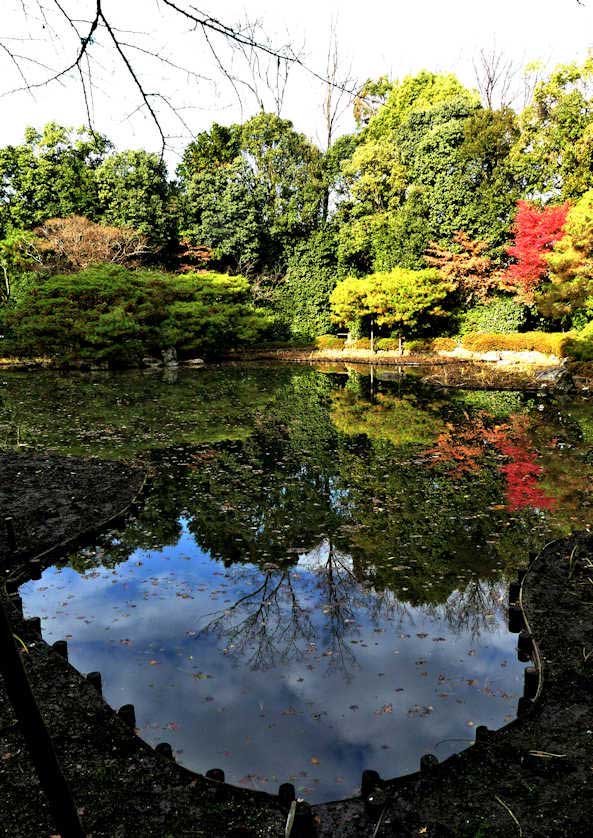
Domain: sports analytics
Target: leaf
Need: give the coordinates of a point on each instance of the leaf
(387, 708)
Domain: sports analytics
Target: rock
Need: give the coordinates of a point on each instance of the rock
(555, 378)
(151, 362)
(194, 362)
(171, 374)
(169, 354)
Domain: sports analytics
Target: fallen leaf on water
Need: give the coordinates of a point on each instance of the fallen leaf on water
(387, 708)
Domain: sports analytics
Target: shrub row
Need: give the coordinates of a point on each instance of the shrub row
(329, 342)
(421, 347)
(550, 343)
(386, 344)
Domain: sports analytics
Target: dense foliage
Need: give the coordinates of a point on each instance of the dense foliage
(497, 204)
(399, 300)
(111, 314)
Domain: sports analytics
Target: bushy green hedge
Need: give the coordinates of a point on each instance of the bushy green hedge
(329, 342)
(498, 316)
(550, 343)
(359, 343)
(579, 346)
(427, 345)
(443, 344)
(387, 345)
(110, 313)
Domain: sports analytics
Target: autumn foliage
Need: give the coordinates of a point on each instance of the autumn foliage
(75, 243)
(461, 449)
(536, 230)
(467, 265)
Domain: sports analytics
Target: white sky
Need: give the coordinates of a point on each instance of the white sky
(396, 38)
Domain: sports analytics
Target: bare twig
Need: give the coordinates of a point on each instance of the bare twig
(504, 805)
(268, 64)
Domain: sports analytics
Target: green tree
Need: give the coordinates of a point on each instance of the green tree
(251, 192)
(133, 191)
(569, 294)
(553, 154)
(19, 254)
(52, 174)
(288, 174)
(400, 299)
(429, 161)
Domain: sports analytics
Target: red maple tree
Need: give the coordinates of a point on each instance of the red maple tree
(536, 229)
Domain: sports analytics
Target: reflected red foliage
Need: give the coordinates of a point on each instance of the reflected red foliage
(461, 448)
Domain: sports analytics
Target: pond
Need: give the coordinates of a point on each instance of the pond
(316, 584)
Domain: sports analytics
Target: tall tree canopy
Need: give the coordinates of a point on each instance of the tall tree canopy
(553, 154)
(429, 161)
(251, 192)
(51, 174)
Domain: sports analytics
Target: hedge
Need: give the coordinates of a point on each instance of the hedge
(550, 343)
(329, 342)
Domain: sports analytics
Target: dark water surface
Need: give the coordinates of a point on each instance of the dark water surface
(317, 582)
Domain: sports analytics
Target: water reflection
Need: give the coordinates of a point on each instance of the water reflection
(298, 672)
(315, 584)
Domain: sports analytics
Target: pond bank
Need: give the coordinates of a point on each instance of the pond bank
(507, 784)
(528, 371)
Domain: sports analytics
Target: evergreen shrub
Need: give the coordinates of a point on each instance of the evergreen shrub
(329, 342)
(550, 343)
(387, 345)
(112, 314)
(498, 316)
(579, 346)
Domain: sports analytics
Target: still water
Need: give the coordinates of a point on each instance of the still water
(316, 584)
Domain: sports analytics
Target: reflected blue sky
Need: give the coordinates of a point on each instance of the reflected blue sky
(298, 673)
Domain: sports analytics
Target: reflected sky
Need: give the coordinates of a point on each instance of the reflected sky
(315, 583)
(273, 674)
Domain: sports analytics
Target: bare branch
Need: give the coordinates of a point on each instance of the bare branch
(340, 86)
(268, 67)
(144, 95)
(14, 60)
(494, 76)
